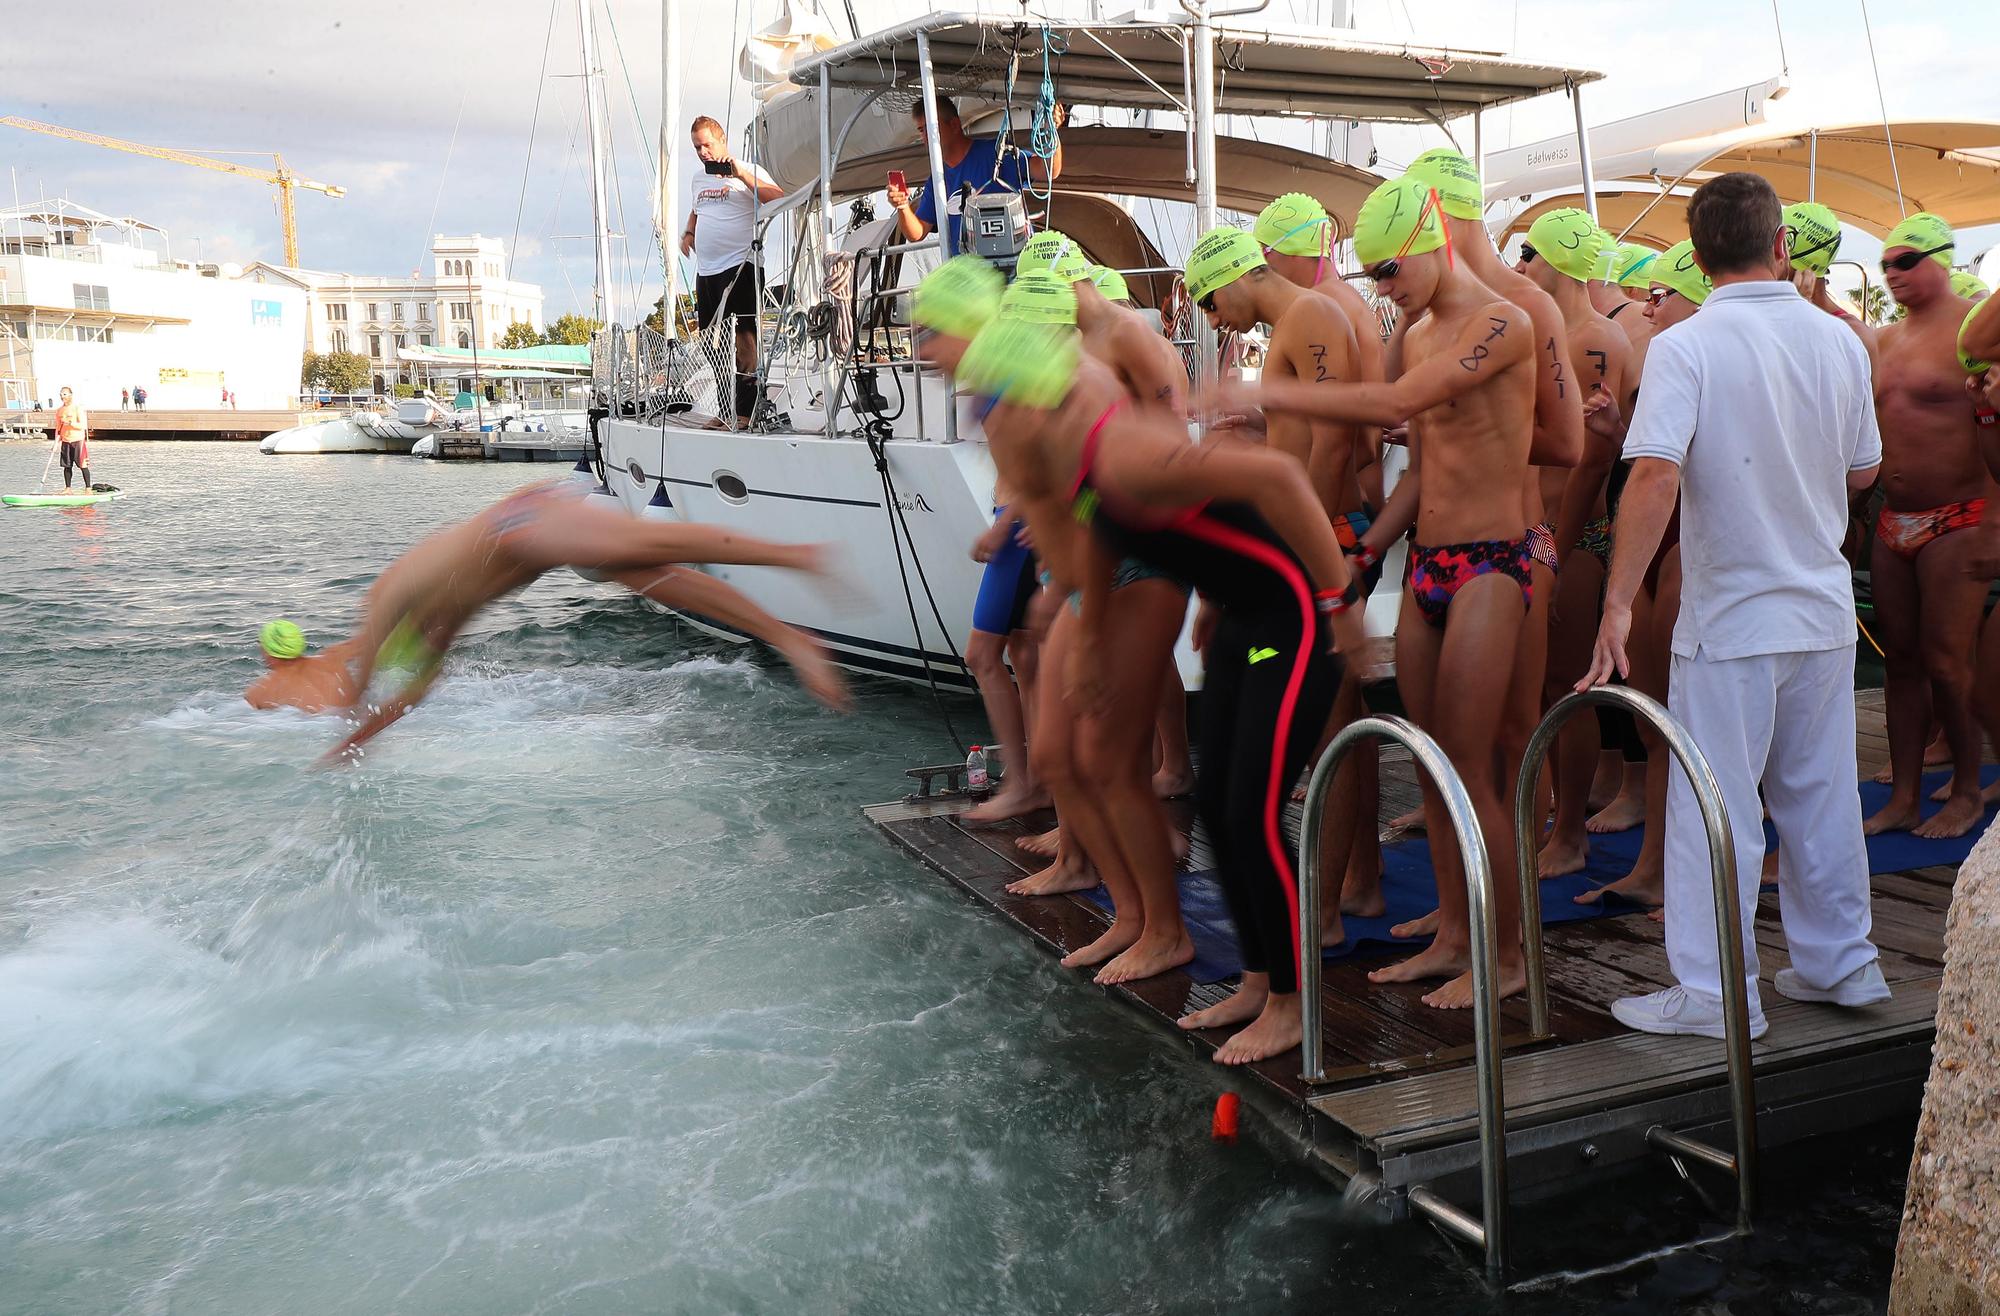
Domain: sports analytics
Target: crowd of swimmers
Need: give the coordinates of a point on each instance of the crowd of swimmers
(1511, 387)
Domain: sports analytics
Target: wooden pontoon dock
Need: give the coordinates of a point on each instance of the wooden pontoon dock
(1398, 1115)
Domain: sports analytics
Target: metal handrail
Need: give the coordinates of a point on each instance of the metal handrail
(1489, 1231)
(1728, 915)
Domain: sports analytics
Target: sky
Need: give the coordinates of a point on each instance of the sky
(425, 113)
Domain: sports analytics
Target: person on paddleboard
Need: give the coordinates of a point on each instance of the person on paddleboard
(417, 607)
(312, 683)
(73, 438)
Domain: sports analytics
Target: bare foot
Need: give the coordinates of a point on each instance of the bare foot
(1960, 815)
(1122, 933)
(1896, 816)
(1245, 1004)
(1426, 926)
(1432, 962)
(1621, 815)
(1644, 885)
(1007, 804)
(1886, 777)
(1331, 931)
(1172, 785)
(1177, 841)
(1044, 845)
(1986, 796)
(1559, 858)
(817, 673)
(1607, 782)
(1457, 994)
(1066, 874)
(1413, 821)
(1147, 957)
(1275, 1031)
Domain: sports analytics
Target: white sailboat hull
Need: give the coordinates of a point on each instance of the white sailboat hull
(804, 488)
(346, 435)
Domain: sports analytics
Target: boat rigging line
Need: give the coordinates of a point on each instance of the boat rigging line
(534, 123)
(1895, 171)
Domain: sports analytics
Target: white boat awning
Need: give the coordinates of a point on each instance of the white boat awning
(1261, 70)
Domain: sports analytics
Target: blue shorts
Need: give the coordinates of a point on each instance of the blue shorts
(1006, 588)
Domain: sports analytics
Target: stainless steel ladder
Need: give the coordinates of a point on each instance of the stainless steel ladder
(1728, 923)
(1487, 1231)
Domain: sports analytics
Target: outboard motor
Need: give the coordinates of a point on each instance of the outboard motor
(996, 226)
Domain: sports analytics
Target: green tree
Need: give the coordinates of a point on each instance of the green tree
(520, 335)
(572, 329)
(336, 372)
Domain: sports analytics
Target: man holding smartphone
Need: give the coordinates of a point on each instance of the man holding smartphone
(721, 230)
(971, 163)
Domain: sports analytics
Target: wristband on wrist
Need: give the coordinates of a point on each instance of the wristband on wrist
(1333, 602)
(1364, 556)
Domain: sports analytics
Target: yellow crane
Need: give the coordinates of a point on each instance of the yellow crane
(287, 182)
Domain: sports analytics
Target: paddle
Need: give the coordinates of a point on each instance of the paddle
(55, 446)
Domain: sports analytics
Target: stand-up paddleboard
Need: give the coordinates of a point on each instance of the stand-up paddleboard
(78, 498)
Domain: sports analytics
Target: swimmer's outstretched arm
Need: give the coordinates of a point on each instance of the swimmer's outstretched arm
(390, 713)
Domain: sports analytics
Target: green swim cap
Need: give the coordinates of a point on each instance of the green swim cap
(1053, 251)
(1815, 236)
(1399, 218)
(1923, 231)
(1630, 263)
(1570, 241)
(1676, 269)
(1109, 283)
(1039, 297)
(282, 639)
(1456, 181)
(1293, 225)
(958, 297)
(1973, 365)
(1967, 284)
(1021, 363)
(1220, 257)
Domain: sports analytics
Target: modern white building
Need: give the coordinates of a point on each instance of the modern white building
(98, 304)
(466, 300)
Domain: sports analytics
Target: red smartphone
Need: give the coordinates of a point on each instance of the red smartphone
(897, 183)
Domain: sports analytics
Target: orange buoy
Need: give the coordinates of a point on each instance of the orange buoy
(1223, 1128)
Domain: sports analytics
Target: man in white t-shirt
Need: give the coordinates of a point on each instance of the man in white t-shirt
(723, 196)
(1758, 409)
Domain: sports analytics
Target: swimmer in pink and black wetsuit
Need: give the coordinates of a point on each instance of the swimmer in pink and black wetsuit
(1242, 525)
(1467, 390)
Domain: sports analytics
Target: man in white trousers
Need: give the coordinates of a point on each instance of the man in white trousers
(1758, 410)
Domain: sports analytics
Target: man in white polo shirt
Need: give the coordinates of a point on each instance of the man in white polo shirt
(1758, 409)
(723, 196)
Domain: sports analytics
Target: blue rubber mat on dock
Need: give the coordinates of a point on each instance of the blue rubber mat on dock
(1409, 887)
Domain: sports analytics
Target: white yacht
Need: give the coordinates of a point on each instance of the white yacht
(385, 427)
(855, 443)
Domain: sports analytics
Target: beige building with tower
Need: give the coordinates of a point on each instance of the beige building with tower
(464, 300)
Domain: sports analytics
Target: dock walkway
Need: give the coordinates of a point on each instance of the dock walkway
(1400, 1109)
(227, 424)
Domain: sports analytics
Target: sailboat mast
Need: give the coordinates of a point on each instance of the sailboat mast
(592, 77)
(669, 196)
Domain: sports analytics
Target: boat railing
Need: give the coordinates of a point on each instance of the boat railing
(1728, 922)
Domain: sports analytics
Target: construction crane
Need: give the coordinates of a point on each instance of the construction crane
(287, 182)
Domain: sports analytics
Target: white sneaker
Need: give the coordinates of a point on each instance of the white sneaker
(1677, 1010)
(1864, 986)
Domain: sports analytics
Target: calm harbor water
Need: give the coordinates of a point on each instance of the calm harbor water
(589, 991)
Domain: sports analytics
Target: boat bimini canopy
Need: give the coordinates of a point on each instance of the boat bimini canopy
(1263, 70)
(1951, 169)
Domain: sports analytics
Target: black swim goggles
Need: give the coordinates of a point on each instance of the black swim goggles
(1527, 254)
(1909, 260)
(1388, 269)
(1207, 303)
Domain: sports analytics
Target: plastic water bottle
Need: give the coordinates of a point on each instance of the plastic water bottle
(975, 771)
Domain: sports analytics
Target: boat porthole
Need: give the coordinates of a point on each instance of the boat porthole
(637, 472)
(731, 487)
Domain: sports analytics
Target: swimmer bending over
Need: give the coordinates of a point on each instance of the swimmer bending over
(419, 604)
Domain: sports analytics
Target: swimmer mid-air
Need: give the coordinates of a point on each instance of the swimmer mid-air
(418, 605)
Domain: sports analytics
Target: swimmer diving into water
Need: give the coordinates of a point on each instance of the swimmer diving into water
(419, 604)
